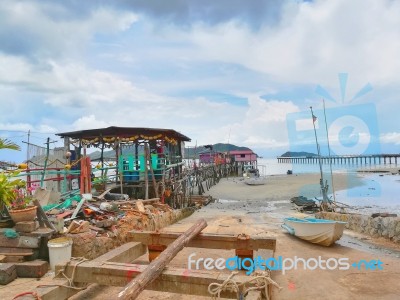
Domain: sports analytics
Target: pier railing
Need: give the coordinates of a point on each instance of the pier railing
(372, 159)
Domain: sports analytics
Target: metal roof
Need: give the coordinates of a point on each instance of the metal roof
(114, 131)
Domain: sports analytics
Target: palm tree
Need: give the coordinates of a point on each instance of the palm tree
(7, 144)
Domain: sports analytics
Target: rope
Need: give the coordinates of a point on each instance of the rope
(71, 280)
(261, 281)
(34, 295)
(230, 285)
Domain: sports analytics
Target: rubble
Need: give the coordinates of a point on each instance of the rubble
(94, 224)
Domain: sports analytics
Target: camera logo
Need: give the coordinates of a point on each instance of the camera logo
(351, 129)
(342, 128)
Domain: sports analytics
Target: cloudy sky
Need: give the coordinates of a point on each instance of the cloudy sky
(216, 71)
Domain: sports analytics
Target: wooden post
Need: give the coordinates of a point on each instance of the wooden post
(155, 268)
(153, 178)
(146, 171)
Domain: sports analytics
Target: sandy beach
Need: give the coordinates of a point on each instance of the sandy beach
(259, 210)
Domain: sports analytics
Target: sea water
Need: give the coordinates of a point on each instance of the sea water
(271, 166)
(380, 192)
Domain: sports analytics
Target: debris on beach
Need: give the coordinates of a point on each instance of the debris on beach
(302, 204)
(383, 215)
(80, 218)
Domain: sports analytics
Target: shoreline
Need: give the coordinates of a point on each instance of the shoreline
(281, 186)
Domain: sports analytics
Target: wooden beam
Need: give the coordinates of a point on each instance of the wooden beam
(173, 280)
(137, 285)
(206, 240)
(15, 251)
(125, 253)
(254, 295)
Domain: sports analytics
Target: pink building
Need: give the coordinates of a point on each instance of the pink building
(207, 157)
(243, 156)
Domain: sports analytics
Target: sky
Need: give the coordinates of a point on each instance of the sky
(216, 71)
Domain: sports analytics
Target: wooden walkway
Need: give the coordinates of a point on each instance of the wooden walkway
(375, 159)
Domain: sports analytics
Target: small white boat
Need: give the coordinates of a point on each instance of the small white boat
(255, 180)
(252, 177)
(317, 231)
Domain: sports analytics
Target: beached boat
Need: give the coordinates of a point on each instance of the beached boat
(252, 177)
(255, 180)
(317, 231)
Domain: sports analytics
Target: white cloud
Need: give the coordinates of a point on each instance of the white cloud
(89, 122)
(25, 127)
(263, 124)
(40, 30)
(314, 42)
(390, 138)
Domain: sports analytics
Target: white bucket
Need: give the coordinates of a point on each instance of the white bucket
(60, 250)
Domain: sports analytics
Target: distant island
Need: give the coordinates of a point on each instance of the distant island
(297, 154)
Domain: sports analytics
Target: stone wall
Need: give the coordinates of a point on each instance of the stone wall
(387, 227)
(90, 246)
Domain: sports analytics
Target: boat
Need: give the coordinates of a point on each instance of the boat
(255, 180)
(317, 231)
(252, 177)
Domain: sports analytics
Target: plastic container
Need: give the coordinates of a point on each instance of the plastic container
(60, 250)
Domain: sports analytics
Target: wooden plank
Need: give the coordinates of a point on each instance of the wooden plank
(205, 240)
(59, 291)
(174, 280)
(126, 253)
(15, 251)
(140, 206)
(137, 285)
(19, 242)
(254, 295)
(42, 215)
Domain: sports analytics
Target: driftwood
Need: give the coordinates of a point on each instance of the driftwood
(155, 268)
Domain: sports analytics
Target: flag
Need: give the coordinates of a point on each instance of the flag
(314, 118)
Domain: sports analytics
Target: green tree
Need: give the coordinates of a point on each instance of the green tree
(7, 144)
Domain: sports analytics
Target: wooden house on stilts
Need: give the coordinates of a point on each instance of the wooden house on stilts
(148, 160)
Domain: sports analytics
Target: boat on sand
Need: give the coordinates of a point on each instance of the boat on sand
(255, 180)
(317, 231)
(252, 177)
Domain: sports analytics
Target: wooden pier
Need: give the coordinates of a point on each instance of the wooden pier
(374, 159)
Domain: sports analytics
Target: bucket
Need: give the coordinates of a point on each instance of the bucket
(60, 250)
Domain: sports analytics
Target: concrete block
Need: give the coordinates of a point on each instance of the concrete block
(26, 226)
(8, 273)
(32, 269)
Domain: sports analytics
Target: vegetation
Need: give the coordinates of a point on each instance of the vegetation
(7, 144)
(8, 186)
(297, 154)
